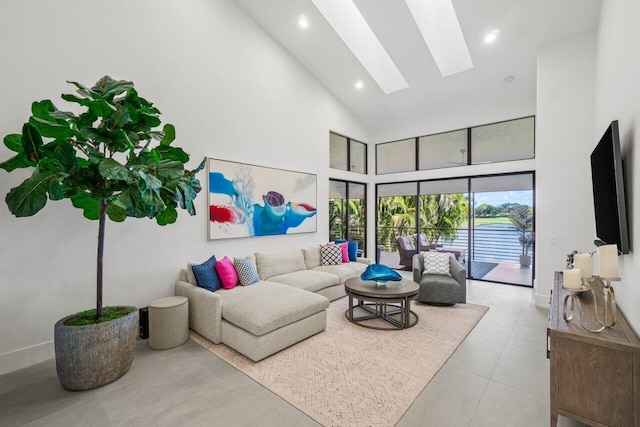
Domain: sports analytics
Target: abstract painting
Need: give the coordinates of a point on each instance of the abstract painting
(247, 200)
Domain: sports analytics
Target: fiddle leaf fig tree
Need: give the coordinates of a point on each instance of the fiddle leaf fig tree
(110, 160)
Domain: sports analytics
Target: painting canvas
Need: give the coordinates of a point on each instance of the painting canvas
(247, 200)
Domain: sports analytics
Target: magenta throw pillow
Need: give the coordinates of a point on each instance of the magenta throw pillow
(227, 273)
(345, 251)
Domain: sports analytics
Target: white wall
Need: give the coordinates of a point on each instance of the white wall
(565, 139)
(618, 98)
(230, 90)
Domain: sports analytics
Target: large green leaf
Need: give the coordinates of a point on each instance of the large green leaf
(90, 206)
(64, 154)
(133, 204)
(168, 216)
(14, 142)
(51, 129)
(43, 109)
(30, 196)
(55, 190)
(116, 213)
(166, 152)
(17, 162)
(120, 117)
(111, 169)
(169, 134)
(83, 90)
(169, 169)
(109, 87)
(31, 142)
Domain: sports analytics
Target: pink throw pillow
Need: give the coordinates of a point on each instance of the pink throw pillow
(227, 273)
(345, 251)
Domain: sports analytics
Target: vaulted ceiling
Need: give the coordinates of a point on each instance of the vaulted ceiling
(503, 70)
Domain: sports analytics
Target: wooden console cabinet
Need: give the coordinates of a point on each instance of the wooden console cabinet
(595, 377)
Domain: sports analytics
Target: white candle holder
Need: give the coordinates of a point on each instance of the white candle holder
(609, 299)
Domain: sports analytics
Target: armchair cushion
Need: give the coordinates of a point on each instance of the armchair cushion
(436, 263)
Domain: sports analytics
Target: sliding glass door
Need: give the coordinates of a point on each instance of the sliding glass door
(347, 211)
(485, 222)
(501, 229)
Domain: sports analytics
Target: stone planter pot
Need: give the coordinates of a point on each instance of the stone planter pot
(525, 260)
(91, 356)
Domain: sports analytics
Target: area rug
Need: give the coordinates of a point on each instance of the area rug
(348, 375)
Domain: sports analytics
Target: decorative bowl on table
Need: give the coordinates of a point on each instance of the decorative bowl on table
(381, 274)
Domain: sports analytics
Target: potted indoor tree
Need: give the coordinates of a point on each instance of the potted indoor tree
(521, 217)
(111, 162)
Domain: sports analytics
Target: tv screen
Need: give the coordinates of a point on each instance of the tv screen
(608, 190)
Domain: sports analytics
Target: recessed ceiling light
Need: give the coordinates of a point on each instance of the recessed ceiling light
(359, 84)
(303, 21)
(348, 22)
(440, 29)
(491, 36)
(509, 79)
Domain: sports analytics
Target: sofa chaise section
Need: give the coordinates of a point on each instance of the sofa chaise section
(264, 318)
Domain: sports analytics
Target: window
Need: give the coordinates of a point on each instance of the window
(443, 150)
(347, 211)
(347, 154)
(504, 141)
(397, 156)
(497, 142)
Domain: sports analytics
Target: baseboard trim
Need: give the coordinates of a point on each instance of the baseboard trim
(542, 300)
(24, 357)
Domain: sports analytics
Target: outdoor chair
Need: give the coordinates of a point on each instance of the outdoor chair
(407, 250)
(459, 252)
(440, 289)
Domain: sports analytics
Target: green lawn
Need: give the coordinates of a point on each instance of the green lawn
(491, 220)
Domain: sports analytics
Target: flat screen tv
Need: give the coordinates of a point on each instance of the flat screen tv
(608, 190)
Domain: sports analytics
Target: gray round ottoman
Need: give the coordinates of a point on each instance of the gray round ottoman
(168, 322)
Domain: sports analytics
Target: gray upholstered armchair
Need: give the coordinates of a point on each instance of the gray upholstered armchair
(407, 250)
(440, 289)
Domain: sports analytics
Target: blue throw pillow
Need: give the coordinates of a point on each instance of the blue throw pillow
(352, 249)
(338, 241)
(206, 275)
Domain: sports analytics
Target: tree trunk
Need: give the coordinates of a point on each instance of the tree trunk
(103, 208)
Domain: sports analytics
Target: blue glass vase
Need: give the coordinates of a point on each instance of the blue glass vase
(380, 274)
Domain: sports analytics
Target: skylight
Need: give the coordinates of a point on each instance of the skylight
(348, 22)
(441, 30)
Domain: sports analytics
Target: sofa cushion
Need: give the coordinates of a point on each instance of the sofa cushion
(343, 271)
(312, 258)
(277, 263)
(266, 306)
(307, 280)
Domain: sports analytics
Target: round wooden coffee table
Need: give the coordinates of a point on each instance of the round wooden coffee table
(390, 302)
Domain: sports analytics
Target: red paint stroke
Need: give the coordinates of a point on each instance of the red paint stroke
(222, 214)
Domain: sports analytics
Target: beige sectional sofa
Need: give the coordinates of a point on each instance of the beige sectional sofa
(286, 306)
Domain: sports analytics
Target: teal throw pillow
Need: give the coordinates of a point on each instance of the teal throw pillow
(206, 275)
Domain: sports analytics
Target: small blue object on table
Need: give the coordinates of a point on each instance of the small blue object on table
(380, 274)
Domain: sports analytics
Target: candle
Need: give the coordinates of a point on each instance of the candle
(571, 279)
(582, 262)
(608, 261)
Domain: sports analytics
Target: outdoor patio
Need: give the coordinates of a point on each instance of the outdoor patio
(503, 272)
